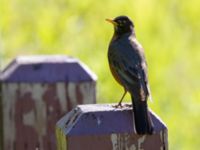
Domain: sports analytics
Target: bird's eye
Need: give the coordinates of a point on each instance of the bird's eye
(120, 22)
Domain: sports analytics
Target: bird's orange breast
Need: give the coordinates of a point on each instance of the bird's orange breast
(115, 75)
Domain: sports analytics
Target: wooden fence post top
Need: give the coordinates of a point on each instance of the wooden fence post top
(46, 68)
(35, 92)
(97, 120)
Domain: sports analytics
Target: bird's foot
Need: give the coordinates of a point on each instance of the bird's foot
(119, 105)
(128, 105)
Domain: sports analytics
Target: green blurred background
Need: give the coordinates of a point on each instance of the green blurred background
(169, 30)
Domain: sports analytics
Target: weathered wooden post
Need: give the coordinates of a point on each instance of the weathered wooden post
(104, 127)
(35, 92)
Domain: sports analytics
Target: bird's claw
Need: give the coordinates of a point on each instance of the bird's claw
(128, 105)
(119, 105)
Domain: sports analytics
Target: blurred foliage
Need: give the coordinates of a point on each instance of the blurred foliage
(169, 30)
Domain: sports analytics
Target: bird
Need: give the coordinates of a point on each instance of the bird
(129, 68)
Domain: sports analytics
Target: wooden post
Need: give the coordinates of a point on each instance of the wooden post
(103, 127)
(1, 118)
(35, 92)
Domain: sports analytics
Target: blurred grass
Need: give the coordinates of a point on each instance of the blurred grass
(169, 30)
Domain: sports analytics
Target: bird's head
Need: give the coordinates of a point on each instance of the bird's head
(122, 25)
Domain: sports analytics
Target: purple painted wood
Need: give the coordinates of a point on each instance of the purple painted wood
(35, 91)
(105, 119)
(48, 69)
(102, 126)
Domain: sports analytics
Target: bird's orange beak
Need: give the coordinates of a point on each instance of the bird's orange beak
(112, 21)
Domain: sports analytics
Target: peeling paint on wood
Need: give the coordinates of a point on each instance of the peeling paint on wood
(33, 110)
(113, 133)
(36, 92)
(141, 141)
(164, 136)
(1, 117)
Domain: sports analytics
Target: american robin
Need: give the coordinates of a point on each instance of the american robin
(128, 66)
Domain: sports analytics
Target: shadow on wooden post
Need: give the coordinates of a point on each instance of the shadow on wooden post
(36, 92)
(103, 127)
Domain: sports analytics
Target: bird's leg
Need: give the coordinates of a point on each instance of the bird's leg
(120, 102)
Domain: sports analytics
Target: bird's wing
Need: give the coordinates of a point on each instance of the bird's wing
(129, 63)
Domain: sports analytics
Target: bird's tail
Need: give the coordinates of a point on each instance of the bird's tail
(143, 121)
